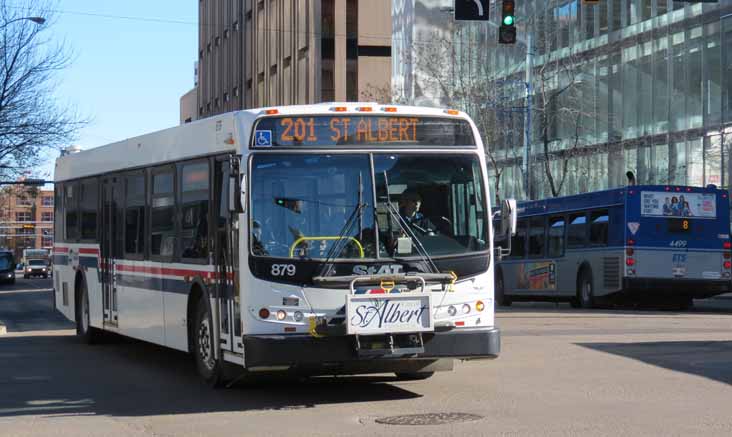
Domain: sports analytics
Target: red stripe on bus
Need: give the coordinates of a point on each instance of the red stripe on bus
(88, 251)
(60, 250)
(163, 271)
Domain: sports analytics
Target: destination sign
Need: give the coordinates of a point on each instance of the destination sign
(367, 130)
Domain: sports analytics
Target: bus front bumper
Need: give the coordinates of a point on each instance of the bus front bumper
(307, 351)
(699, 288)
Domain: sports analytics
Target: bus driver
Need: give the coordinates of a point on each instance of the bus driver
(409, 204)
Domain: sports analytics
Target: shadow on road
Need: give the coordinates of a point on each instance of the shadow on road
(25, 309)
(710, 359)
(51, 375)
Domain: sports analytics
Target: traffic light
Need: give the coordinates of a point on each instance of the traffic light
(471, 10)
(507, 30)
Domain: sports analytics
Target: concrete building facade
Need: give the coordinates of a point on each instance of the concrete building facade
(255, 53)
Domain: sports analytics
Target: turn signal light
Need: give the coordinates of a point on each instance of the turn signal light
(629, 251)
(630, 262)
(631, 242)
(479, 306)
(728, 265)
(264, 313)
(727, 255)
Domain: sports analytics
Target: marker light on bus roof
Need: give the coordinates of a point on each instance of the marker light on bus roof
(339, 109)
(452, 112)
(389, 109)
(271, 111)
(365, 109)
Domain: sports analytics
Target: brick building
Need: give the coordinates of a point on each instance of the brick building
(26, 218)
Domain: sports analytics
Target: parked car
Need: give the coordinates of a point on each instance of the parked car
(7, 267)
(36, 267)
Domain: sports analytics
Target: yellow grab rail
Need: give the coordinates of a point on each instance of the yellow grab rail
(327, 238)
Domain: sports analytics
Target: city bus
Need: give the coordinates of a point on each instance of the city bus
(312, 240)
(653, 243)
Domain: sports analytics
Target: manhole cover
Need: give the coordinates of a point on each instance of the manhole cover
(428, 419)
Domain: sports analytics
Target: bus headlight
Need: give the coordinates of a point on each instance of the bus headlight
(298, 316)
(281, 315)
(466, 308)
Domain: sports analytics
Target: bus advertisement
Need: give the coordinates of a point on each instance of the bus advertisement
(322, 239)
(669, 244)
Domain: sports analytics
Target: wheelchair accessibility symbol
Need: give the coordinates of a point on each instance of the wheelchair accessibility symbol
(263, 138)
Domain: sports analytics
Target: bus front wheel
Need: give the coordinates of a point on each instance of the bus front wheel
(586, 290)
(84, 330)
(209, 367)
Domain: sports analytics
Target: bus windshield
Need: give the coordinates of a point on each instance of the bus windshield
(303, 204)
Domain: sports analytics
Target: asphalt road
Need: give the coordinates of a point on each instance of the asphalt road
(561, 372)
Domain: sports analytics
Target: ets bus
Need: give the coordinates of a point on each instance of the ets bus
(669, 244)
(321, 239)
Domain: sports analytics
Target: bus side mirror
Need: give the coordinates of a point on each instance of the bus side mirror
(237, 194)
(509, 216)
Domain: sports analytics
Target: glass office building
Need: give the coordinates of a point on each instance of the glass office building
(656, 75)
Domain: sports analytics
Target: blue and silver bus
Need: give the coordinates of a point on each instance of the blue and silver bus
(647, 242)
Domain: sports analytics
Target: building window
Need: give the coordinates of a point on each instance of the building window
(208, 107)
(216, 102)
(236, 23)
(29, 230)
(46, 216)
(200, 110)
(208, 48)
(200, 54)
(24, 216)
(23, 201)
(236, 88)
(226, 97)
(226, 34)
(47, 201)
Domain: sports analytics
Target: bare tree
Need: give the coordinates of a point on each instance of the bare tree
(454, 71)
(32, 121)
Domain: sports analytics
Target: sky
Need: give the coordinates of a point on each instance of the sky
(132, 61)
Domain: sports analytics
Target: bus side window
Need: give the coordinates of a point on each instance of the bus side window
(194, 206)
(88, 206)
(71, 205)
(537, 237)
(135, 216)
(599, 227)
(518, 241)
(577, 231)
(556, 237)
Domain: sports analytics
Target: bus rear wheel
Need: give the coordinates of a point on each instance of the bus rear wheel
(586, 292)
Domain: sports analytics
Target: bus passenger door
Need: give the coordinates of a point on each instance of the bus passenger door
(111, 227)
(226, 257)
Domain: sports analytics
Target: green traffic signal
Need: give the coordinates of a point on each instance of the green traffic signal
(508, 20)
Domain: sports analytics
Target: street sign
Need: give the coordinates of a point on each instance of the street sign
(471, 10)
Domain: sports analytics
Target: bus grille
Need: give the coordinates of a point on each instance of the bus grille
(611, 272)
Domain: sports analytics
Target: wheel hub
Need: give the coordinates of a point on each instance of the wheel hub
(205, 348)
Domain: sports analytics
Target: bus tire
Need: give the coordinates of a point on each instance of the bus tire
(209, 367)
(84, 331)
(501, 298)
(586, 290)
(413, 376)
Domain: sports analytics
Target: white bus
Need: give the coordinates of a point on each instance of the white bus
(323, 239)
